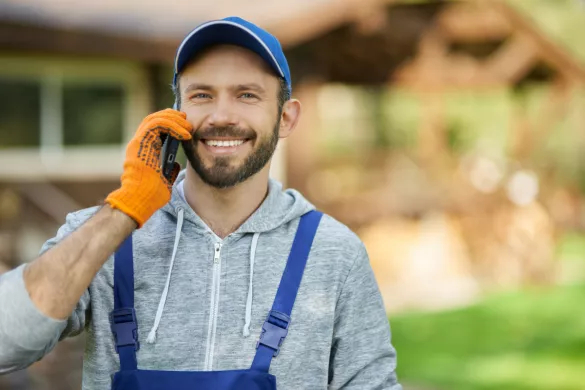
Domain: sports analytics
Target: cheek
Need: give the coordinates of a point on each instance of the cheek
(195, 118)
(261, 121)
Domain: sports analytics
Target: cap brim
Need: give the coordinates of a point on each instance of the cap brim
(222, 32)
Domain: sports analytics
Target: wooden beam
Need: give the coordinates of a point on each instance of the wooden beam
(322, 18)
(549, 51)
(459, 71)
(427, 70)
(464, 71)
(432, 137)
(473, 22)
(480, 21)
(49, 198)
(529, 133)
(18, 37)
(371, 20)
(513, 60)
(554, 109)
(429, 81)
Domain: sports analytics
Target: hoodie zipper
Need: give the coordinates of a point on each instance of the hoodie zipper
(214, 305)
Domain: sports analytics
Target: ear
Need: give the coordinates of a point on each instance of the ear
(291, 112)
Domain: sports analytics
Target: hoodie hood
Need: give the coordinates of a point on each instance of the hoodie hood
(278, 208)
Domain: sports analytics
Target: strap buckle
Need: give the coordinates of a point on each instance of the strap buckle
(274, 331)
(124, 327)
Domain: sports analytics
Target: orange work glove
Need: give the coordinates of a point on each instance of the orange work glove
(144, 189)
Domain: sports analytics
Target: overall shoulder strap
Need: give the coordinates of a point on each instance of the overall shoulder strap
(123, 317)
(275, 327)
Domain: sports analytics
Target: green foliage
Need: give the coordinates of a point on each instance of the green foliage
(402, 118)
(563, 21)
(522, 340)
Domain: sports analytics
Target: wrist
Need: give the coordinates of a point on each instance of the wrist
(122, 215)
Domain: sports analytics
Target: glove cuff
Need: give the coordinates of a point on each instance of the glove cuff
(115, 200)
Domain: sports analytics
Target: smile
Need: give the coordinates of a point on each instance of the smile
(224, 146)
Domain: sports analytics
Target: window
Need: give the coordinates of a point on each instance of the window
(67, 103)
(69, 117)
(92, 114)
(20, 102)
(85, 113)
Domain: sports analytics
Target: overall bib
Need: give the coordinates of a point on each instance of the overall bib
(125, 329)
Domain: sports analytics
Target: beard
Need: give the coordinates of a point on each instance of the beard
(222, 173)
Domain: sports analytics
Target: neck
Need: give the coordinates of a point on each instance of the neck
(225, 209)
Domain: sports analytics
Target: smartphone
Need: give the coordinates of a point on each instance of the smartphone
(169, 152)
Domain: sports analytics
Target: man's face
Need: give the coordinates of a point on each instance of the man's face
(230, 97)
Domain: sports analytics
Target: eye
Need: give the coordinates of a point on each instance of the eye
(201, 95)
(248, 95)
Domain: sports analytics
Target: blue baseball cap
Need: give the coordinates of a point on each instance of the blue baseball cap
(233, 31)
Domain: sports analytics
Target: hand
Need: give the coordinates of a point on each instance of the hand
(144, 188)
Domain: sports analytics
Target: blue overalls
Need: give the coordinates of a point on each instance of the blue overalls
(275, 328)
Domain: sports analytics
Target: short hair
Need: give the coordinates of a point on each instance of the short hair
(284, 94)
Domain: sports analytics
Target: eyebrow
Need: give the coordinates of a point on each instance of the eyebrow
(249, 87)
(197, 86)
(240, 87)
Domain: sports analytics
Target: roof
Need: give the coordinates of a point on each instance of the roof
(152, 19)
(166, 22)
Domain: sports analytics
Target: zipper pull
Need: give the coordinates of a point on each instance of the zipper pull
(217, 249)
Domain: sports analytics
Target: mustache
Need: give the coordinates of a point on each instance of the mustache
(224, 131)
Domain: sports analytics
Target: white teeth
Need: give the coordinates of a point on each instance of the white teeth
(224, 144)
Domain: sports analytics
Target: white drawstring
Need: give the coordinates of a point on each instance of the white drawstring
(151, 339)
(249, 300)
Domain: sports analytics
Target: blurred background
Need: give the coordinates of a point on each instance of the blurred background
(450, 135)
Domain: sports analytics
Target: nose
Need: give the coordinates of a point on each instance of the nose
(222, 113)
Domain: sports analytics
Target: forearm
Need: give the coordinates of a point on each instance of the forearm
(57, 279)
(48, 299)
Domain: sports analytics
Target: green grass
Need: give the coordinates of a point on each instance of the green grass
(518, 341)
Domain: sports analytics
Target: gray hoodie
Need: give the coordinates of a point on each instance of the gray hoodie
(202, 307)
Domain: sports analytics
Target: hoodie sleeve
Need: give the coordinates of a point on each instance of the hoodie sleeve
(26, 334)
(362, 355)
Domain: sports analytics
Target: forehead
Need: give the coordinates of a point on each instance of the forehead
(227, 62)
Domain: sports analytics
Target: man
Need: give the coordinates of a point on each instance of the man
(189, 282)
